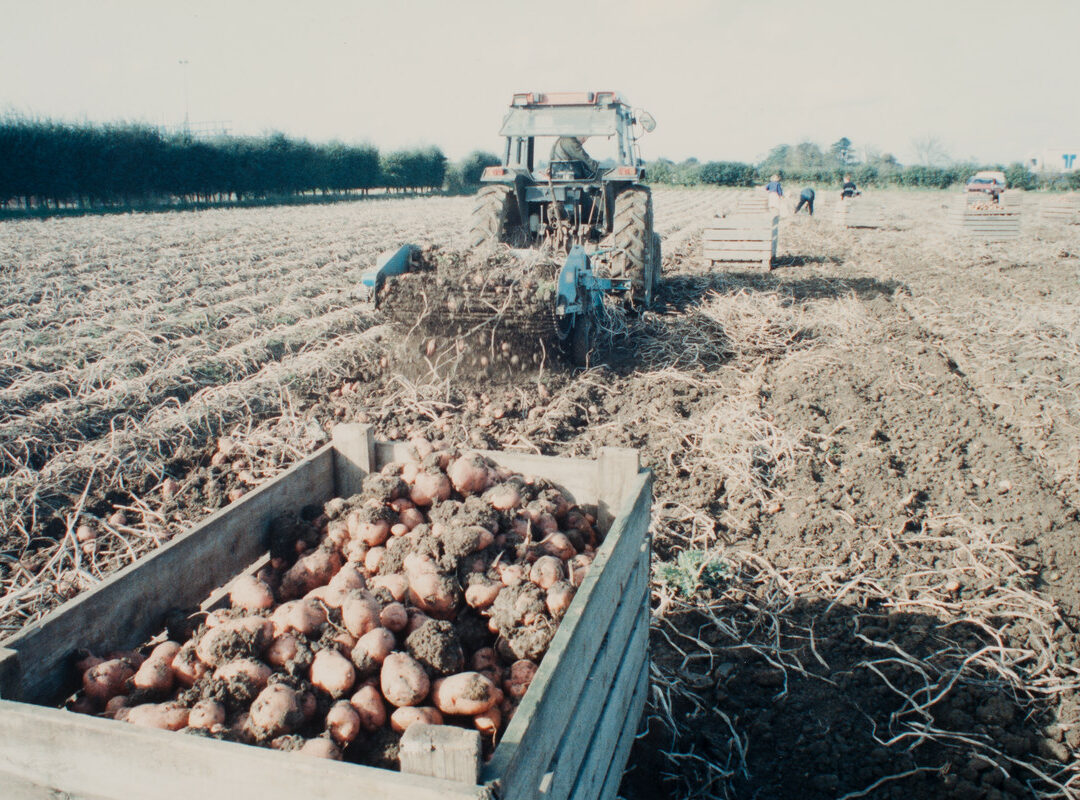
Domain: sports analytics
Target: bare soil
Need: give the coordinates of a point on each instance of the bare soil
(867, 461)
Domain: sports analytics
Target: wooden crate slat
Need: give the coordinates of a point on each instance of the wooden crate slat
(80, 756)
(738, 255)
(629, 633)
(736, 235)
(130, 606)
(615, 732)
(536, 728)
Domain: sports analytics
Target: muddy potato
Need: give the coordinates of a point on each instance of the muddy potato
(250, 594)
(403, 680)
(465, 694)
(360, 613)
(166, 716)
(546, 571)
(320, 748)
(104, 681)
(342, 722)
(369, 706)
(405, 716)
(332, 672)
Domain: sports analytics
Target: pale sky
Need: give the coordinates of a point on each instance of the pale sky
(990, 79)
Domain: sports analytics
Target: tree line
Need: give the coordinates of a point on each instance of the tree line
(48, 164)
(809, 163)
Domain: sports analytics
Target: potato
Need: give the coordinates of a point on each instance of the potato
(327, 596)
(337, 533)
(558, 545)
(396, 584)
(482, 592)
(487, 722)
(430, 487)
(206, 714)
(511, 574)
(332, 672)
(522, 673)
(186, 665)
(546, 571)
(484, 658)
(411, 517)
(167, 716)
(104, 681)
(155, 676)
(342, 722)
(374, 558)
(369, 706)
(360, 613)
(282, 650)
(250, 594)
(559, 597)
(303, 616)
(248, 670)
(275, 711)
(405, 716)
(464, 694)
(348, 578)
(436, 595)
(376, 644)
(311, 570)
(320, 748)
(503, 497)
(166, 651)
(403, 681)
(469, 474)
(371, 532)
(579, 568)
(394, 617)
(113, 707)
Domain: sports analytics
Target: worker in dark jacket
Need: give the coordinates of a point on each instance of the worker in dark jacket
(806, 198)
(848, 189)
(570, 148)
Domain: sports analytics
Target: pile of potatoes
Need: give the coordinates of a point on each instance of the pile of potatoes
(431, 596)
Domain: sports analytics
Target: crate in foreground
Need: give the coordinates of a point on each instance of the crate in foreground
(742, 237)
(570, 736)
(985, 220)
(858, 212)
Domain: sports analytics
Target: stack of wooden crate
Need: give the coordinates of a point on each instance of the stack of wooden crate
(983, 219)
(1062, 209)
(569, 738)
(743, 237)
(858, 212)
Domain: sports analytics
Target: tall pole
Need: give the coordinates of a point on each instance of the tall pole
(187, 121)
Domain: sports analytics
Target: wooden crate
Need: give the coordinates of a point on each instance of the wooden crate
(751, 202)
(741, 237)
(569, 738)
(858, 212)
(1062, 209)
(991, 225)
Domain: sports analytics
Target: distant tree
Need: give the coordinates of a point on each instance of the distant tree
(1017, 176)
(842, 152)
(929, 151)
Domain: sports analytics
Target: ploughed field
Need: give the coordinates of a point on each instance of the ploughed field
(867, 461)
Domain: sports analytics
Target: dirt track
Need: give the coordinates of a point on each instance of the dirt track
(867, 463)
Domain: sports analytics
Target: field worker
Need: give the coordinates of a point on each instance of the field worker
(776, 192)
(806, 198)
(848, 189)
(570, 148)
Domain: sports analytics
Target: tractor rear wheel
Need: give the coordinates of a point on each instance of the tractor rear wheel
(631, 236)
(493, 215)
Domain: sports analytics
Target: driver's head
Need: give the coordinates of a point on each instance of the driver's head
(582, 139)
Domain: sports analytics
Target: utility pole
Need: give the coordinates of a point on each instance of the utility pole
(187, 121)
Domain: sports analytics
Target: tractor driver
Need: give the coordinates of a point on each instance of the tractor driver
(570, 148)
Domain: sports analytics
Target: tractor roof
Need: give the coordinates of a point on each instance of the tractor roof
(565, 114)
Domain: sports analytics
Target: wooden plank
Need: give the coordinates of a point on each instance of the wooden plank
(354, 457)
(91, 758)
(626, 642)
(617, 727)
(522, 756)
(616, 467)
(737, 255)
(626, 738)
(736, 234)
(441, 751)
(129, 607)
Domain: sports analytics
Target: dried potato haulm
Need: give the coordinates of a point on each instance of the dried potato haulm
(430, 596)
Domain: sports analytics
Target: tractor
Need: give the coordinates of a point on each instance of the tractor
(531, 201)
